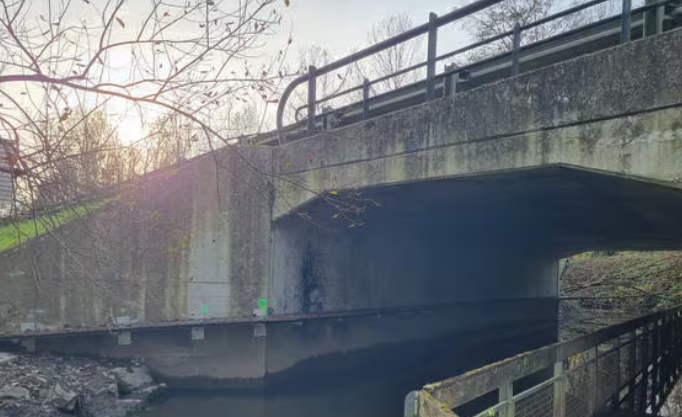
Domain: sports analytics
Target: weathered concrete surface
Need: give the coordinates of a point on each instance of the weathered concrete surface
(617, 110)
(185, 243)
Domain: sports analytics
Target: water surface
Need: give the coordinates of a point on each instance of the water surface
(368, 397)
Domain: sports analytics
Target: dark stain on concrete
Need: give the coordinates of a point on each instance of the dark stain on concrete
(311, 297)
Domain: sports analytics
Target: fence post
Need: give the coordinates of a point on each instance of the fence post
(559, 390)
(644, 358)
(657, 333)
(506, 394)
(632, 371)
(411, 408)
(517, 47)
(365, 99)
(312, 96)
(619, 382)
(594, 379)
(431, 58)
(625, 27)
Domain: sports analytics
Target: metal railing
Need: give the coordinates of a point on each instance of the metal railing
(652, 14)
(631, 366)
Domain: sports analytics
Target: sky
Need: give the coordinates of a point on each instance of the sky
(338, 26)
(343, 25)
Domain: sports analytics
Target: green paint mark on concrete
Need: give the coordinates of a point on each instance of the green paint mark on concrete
(263, 304)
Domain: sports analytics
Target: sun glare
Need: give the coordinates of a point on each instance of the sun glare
(129, 130)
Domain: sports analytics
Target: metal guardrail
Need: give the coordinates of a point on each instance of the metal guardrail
(622, 26)
(630, 366)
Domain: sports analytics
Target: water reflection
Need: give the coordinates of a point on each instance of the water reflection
(376, 397)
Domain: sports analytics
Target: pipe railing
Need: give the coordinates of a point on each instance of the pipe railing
(431, 30)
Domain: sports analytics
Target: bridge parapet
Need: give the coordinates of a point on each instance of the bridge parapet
(630, 366)
(576, 112)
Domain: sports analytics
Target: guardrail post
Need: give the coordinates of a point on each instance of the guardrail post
(660, 16)
(517, 47)
(365, 99)
(431, 58)
(312, 96)
(625, 26)
(450, 81)
(653, 20)
(506, 395)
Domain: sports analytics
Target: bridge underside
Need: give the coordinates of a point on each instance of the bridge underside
(554, 210)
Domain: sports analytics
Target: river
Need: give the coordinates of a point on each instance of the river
(373, 397)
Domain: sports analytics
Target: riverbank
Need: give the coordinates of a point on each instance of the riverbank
(51, 386)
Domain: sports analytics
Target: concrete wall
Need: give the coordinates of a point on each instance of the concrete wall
(617, 110)
(180, 243)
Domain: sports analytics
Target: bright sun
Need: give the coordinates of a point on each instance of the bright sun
(129, 129)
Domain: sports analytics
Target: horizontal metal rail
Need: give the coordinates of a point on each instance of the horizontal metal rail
(632, 365)
(621, 24)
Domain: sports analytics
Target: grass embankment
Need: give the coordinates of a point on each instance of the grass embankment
(14, 232)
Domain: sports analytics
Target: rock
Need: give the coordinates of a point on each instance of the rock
(74, 406)
(16, 393)
(131, 379)
(63, 394)
(7, 358)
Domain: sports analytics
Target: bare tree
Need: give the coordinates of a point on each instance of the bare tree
(87, 158)
(379, 65)
(502, 17)
(326, 85)
(396, 58)
(185, 57)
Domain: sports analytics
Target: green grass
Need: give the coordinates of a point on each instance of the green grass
(18, 231)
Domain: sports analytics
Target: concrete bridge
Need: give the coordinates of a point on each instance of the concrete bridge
(393, 238)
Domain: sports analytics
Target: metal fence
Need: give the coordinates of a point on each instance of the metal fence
(630, 366)
(627, 24)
